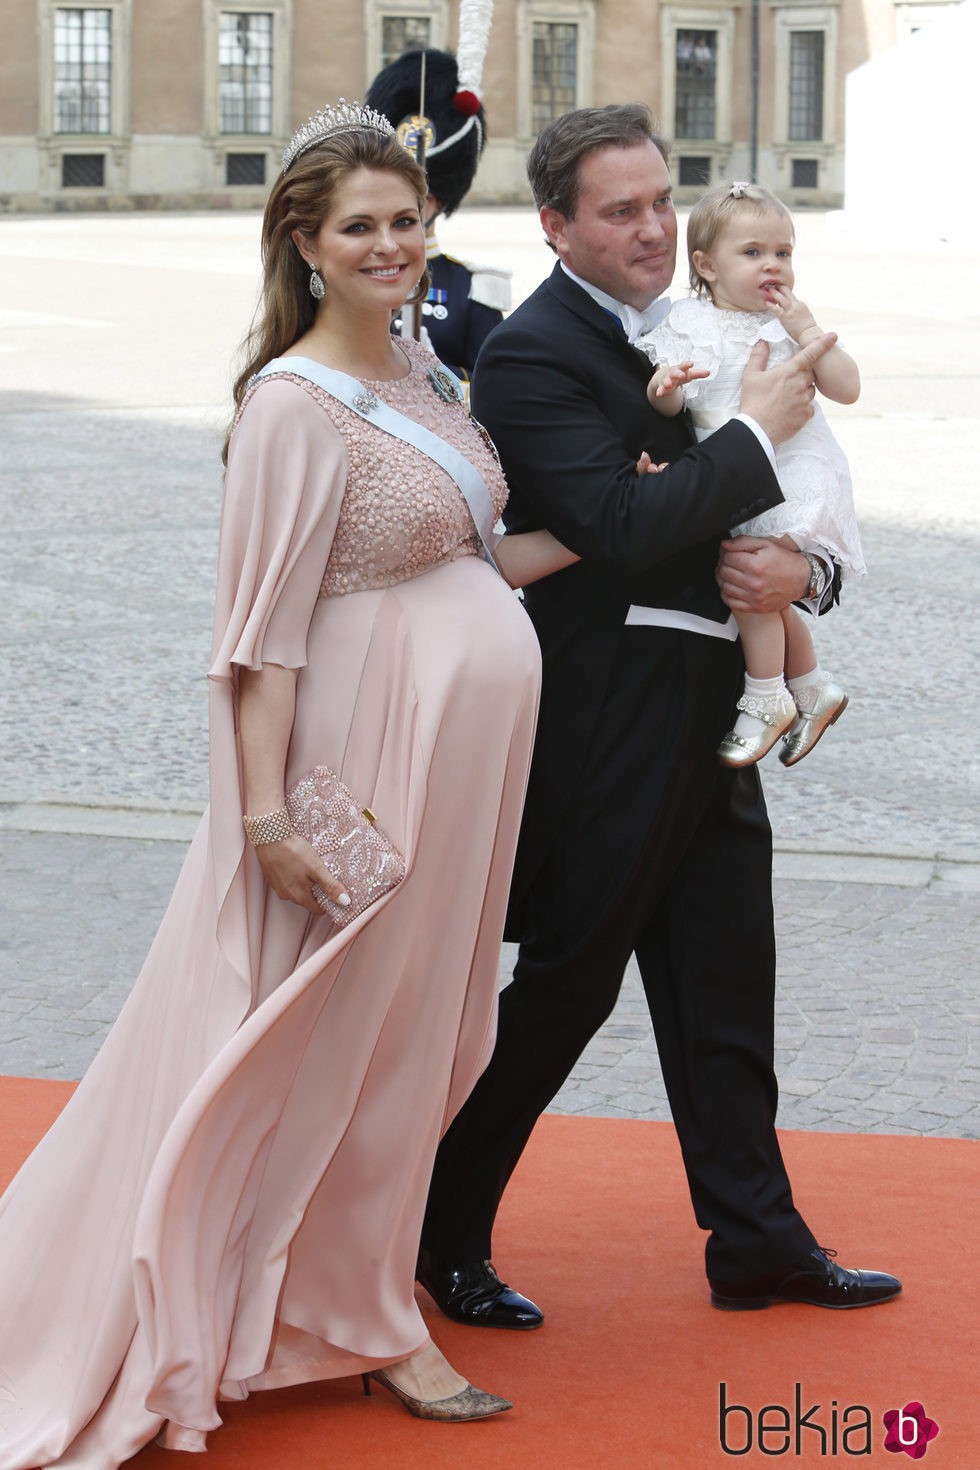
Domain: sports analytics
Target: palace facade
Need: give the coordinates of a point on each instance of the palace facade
(187, 103)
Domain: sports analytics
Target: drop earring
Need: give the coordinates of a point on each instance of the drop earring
(316, 284)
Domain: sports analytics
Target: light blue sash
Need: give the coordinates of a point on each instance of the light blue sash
(362, 401)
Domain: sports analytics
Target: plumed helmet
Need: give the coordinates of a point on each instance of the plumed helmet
(457, 129)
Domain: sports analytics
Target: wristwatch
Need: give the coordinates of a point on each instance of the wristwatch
(818, 577)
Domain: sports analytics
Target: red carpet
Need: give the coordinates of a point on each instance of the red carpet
(625, 1374)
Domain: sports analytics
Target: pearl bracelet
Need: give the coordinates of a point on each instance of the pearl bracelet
(273, 827)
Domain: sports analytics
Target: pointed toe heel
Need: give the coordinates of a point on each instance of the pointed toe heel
(469, 1403)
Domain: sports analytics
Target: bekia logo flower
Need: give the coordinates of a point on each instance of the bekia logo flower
(802, 1428)
(909, 1429)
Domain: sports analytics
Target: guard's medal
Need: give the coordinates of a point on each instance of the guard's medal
(411, 129)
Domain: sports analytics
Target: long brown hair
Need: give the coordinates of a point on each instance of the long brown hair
(301, 199)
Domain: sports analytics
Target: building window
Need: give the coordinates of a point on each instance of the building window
(696, 60)
(245, 72)
(693, 171)
(245, 168)
(806, 61)
(83, 170)
(83, 71)
(697, 81)
(554, 72)
(804, 173)
(805, 107)
(401, 33)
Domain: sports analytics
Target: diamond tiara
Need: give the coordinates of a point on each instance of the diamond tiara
(343, 117)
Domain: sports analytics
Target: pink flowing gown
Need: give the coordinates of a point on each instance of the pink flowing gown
(233, 1197)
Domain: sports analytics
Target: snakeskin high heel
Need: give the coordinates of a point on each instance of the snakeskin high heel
(469, 1403)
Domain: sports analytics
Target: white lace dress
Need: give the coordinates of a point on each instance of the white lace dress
(812, 469)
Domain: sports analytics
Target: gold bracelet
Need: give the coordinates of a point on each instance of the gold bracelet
(273, 827)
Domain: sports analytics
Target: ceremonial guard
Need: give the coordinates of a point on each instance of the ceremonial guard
(428, 96)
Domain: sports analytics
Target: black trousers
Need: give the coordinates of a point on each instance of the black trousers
(666, 854)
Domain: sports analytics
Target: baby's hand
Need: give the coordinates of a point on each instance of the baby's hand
(646, 466)
(673, 375)
(794, 314)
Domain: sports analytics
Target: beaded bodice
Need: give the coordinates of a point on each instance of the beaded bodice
(401, 513)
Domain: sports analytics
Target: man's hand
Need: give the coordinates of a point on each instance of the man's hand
(781, 400)
(759, 576)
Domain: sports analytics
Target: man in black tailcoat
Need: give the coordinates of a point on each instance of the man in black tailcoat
(635, 838)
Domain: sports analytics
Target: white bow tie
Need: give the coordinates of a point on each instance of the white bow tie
(638, 323)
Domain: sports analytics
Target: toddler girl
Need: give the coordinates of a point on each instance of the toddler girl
(740, 245)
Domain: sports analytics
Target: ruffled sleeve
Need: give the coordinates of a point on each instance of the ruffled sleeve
(665, 343)
(287, 468)
(697, 331)
(687, 335)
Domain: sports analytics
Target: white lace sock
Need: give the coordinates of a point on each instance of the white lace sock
(749, 725)
(804, 687)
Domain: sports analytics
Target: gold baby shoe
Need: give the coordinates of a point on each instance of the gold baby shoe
(778, 711)
(819, 707)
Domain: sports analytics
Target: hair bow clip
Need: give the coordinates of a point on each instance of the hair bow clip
(738, 189)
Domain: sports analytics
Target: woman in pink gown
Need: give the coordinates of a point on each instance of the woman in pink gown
(232, 1199)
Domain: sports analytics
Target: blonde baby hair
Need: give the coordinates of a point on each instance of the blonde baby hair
(713, 213)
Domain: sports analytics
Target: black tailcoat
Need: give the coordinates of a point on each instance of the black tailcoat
(563, 395)
(635, 839)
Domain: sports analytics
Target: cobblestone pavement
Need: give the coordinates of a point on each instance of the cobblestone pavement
(876, 1016)
(115, 336)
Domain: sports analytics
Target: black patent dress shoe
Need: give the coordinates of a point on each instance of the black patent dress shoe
(817, 1280)
(475, 1295)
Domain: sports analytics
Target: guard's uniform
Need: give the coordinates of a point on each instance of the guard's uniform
(433, 103)
(464, 304)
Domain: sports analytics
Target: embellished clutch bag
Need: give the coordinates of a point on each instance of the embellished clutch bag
(346, 836)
